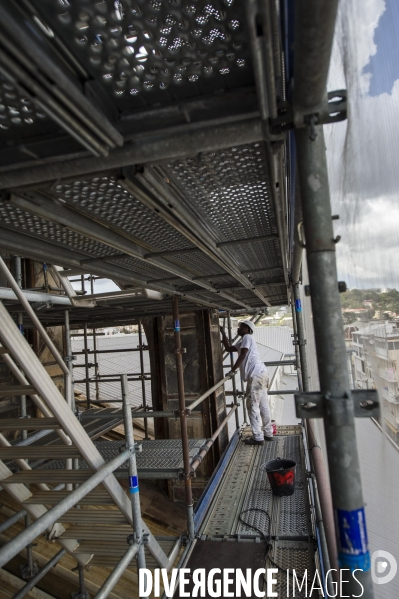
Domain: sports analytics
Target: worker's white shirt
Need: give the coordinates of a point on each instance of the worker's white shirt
(252, 365)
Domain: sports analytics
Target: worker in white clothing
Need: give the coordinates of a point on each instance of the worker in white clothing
(254, 372)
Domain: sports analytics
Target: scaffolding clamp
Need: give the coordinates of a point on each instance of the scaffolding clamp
(297, 341)
(331, 110)
(136, 448)
(132, 539)
(182, 476)
(179, 413)
(362, 403)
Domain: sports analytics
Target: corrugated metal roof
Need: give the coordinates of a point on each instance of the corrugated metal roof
(114, 364)
(278, 338)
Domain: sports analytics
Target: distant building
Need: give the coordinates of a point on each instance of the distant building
(281, 312)
(349, 330)
(376, 365)
(267, 320)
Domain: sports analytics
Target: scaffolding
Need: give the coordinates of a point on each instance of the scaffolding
(178, 151)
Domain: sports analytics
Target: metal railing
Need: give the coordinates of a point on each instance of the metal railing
(40, 574)
(98, 378)
(49, 518)
(12, 548)
(39, 327)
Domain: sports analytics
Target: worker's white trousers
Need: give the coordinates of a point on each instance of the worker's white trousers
(258, 406)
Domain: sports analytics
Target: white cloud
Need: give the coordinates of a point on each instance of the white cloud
(363, 155)
(368, 253)
(354, 42)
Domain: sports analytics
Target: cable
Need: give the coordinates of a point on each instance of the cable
(265, 538)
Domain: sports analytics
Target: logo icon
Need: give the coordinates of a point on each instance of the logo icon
(383, 567)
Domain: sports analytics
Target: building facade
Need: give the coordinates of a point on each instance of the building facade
(376, 365)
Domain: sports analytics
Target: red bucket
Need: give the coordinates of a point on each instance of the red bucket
(281, 475)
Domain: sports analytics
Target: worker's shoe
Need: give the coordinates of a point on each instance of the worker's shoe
(267, 438)
(252, 441)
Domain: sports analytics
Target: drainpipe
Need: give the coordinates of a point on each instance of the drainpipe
(183, 418)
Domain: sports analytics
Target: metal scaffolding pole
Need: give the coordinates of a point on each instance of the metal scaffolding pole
(168, 147)
(202, 397)
(322, 538)
(133, 476)
(30, 569)
(20, 322)
(70, 464)
(322, 490)
(143, 379)
(117, 572)
(183, 418)
(40, 574)
(339, 425)
(296, 345)
(81, 593)
(206, 447)
(12, 520)
(96, 373)
(301, 337)
(244, 399)
(91, 277)
(87, 376)
(69, 358)
(314, 32)
(233, 378)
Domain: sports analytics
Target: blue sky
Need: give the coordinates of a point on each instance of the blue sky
(384, 65)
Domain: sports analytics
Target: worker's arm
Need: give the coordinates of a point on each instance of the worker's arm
(226, 343)
(240, 359)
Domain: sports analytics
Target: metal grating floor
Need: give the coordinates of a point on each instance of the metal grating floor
(245, 486)
(158, 459)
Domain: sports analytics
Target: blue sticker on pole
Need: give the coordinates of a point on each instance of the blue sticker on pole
(353, 551)
(177, 325)
(21, 329)
(298, 305)
(133, 484)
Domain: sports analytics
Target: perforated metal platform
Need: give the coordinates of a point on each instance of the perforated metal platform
(155, 50)
(141, 155)
(287, 520)
(246, 486)
(160, 459)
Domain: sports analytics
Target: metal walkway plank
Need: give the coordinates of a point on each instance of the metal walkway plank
(96, 497)
(30, 424)
(245, 486)
(39, 452)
